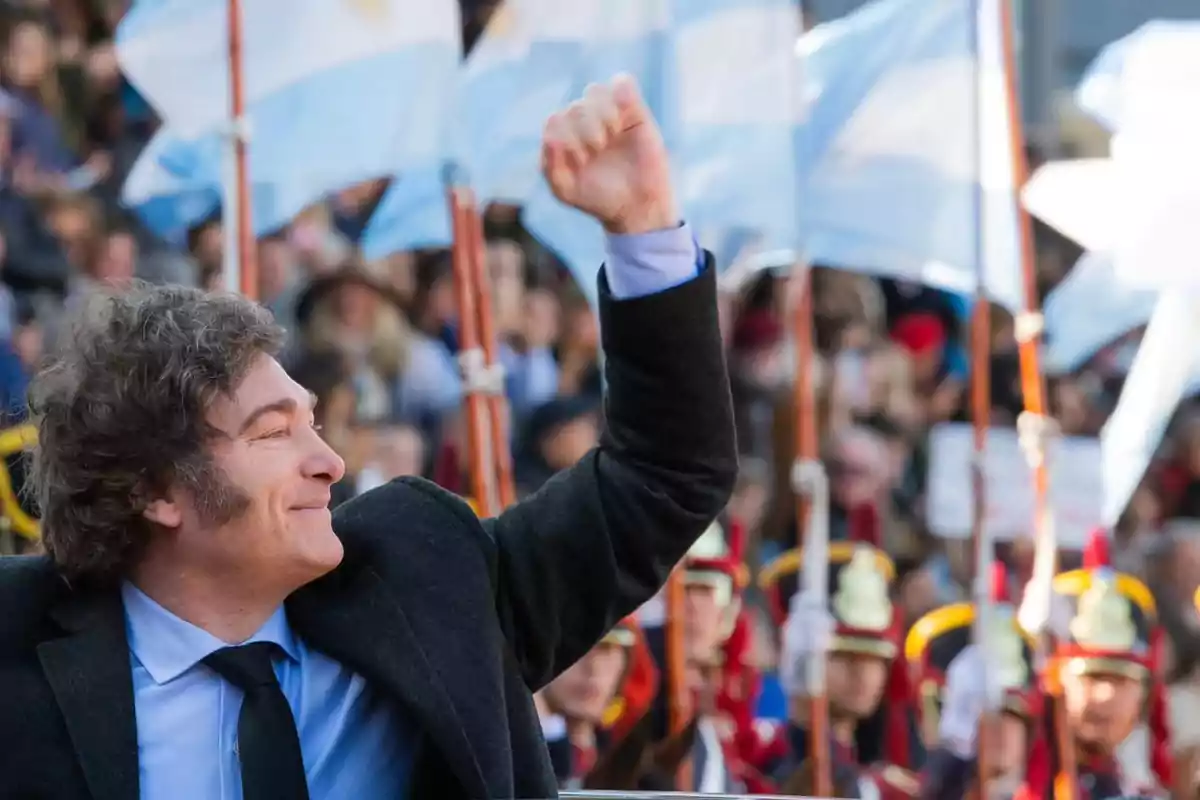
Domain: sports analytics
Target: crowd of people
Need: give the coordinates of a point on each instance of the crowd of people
(376, 343)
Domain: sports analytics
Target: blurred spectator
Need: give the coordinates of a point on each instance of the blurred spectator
(394, 451)
(557, 435)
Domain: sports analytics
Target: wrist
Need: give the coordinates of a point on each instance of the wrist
(656, 218)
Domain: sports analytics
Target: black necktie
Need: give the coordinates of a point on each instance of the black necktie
(268, 745)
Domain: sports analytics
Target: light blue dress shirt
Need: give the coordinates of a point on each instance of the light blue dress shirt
(355, 743)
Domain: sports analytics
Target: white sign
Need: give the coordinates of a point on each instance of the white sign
(1076, 480)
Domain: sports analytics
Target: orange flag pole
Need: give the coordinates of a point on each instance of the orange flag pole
(248, 264)
(471, 356)
(497, 403)
(679, 700)
(1035, 426)
(804, 405)
(810, 485)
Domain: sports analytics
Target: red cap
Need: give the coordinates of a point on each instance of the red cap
(919, 333)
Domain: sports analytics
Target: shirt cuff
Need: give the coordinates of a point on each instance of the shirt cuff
(554, 727)
(647, 263)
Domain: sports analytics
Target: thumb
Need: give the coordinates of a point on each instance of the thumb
(631, 106)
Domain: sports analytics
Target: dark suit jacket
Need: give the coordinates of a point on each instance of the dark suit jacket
(454, 619)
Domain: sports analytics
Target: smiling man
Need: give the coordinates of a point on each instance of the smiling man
(203, 628)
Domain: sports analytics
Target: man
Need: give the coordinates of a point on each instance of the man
(950, 691)
(865, 681)
(1109, 664)
(388, 652)
(580, 709)
(712, 579)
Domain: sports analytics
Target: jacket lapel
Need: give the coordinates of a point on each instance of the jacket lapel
(356, 620)
(89, 672)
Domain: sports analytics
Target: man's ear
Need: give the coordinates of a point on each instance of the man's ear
(164, 512)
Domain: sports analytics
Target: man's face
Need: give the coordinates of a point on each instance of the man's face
(263, 514)
(118, 260)
(571, 441)
(702, 623)
(855, 684)
(1103, 709)
(589, 685)
(1006, 748)
(854, 473)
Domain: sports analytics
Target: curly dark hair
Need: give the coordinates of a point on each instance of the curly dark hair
(121, 416)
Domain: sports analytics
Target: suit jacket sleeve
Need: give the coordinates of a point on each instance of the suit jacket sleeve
(599, 539)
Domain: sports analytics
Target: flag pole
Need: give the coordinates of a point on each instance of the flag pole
(810, 487)
(1036, 429)
(470, 354)
(981, 406)
(247, 266)
(679, 698)
(497, 406)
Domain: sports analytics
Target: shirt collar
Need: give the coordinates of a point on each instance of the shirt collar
(168, 646)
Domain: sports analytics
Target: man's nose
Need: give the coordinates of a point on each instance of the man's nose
(323, 462)
(1103, 691)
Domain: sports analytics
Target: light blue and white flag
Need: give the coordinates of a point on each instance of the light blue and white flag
(1163, 373)
(1087, 311)
(1088, 202)
(520, 71)
(338, 91)
(1099, 93)
(414, 214)
(176, 52)
(719, 76)
(905, 157)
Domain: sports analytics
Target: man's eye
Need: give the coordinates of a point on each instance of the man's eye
(278, 433)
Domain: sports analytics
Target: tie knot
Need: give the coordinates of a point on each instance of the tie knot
(246, 666)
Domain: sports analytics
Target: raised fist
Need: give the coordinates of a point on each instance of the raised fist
(605, 156)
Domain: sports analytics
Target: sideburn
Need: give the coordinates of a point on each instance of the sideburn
(218, 500)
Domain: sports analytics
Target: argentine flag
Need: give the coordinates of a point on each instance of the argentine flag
(1099, 93)
(520, 72)
(718, 76)
(905, 154)
(337, 92)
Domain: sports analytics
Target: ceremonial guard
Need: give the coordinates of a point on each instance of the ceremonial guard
(1105, 667)
(1108, 662)
(596, 700)
(949, 678)
(860, 634)
(714, 577)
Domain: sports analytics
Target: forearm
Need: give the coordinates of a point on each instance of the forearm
(599, 539)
